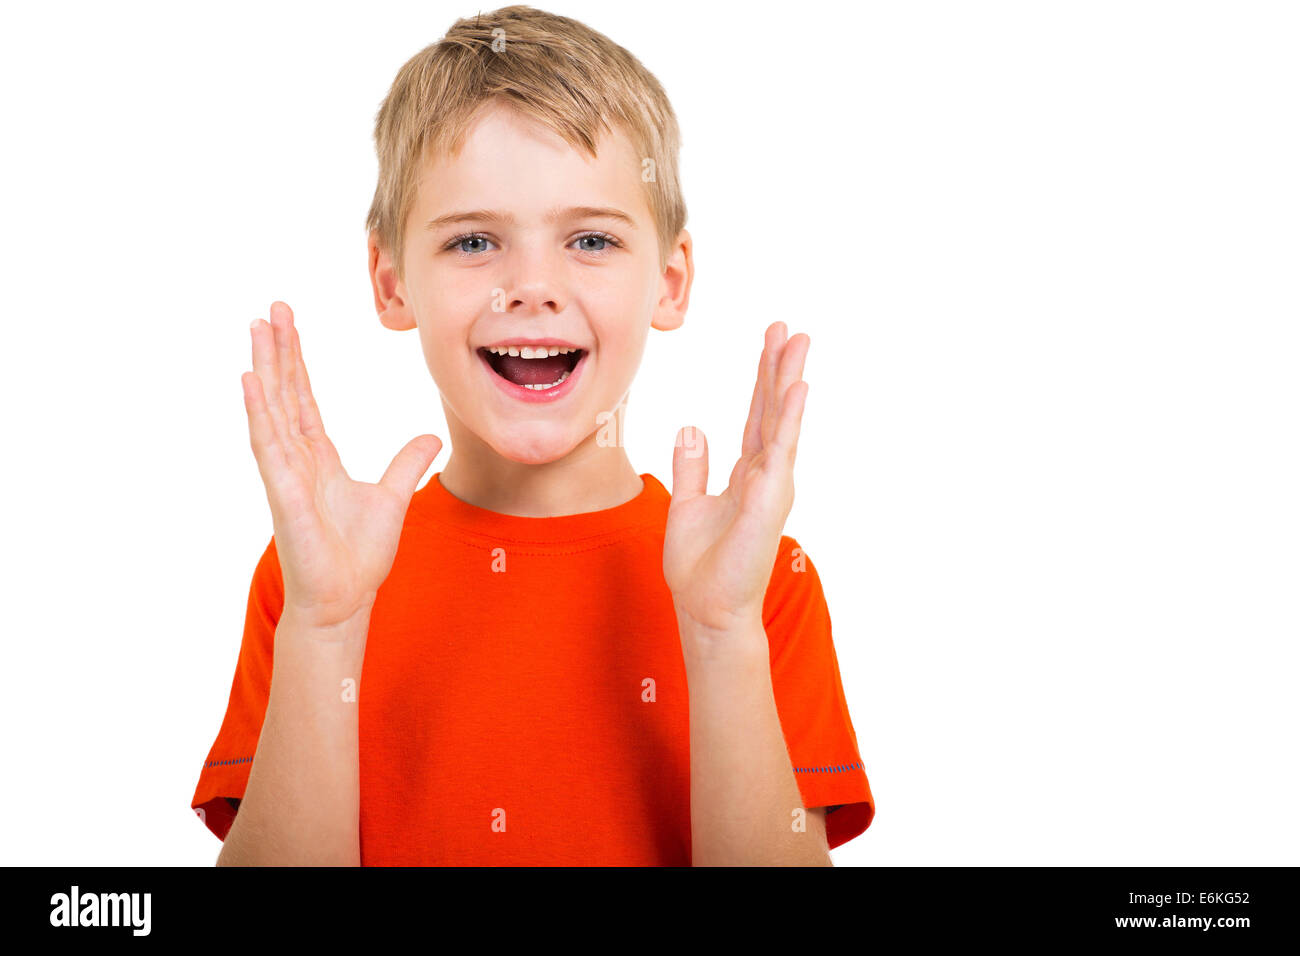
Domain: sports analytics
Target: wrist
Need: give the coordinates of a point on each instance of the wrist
(326, 627)
(718, 620)
(722, 634)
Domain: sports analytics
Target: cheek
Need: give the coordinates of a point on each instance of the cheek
(624, 362)
(445, 362)
(617, 370)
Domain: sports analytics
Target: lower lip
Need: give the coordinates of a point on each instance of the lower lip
(535, 395)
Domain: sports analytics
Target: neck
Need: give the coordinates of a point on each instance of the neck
(592, 477)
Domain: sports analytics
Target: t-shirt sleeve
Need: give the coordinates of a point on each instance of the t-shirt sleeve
(225, 772)
(810, 702)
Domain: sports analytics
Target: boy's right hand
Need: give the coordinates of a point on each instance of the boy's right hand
(336, 538)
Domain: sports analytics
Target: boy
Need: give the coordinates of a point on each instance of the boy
(538, 621)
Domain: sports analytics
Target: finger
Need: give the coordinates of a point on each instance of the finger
(264, 365)
(282, 322)
(793, 358)
(789, 371)
(775, 347)
(410, 464)
(786, 440)
(690, 465)
(308, 413)
(262, 435)
(752, 442)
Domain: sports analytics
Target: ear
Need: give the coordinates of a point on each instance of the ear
(679, 271)
(390, 292)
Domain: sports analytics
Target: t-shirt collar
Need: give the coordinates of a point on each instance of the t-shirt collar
(435, 503)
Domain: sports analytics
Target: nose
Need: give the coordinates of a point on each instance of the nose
(534, 284)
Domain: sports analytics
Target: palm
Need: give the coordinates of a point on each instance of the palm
(336, 538)
(719, 549)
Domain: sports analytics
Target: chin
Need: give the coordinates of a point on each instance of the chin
(531, 448)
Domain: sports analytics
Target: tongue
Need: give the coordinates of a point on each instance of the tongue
(542, 371)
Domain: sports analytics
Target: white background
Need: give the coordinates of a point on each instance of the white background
(1047, 254)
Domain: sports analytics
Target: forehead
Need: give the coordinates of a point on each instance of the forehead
(511, 161)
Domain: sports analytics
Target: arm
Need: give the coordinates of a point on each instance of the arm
(743, 789)
(336, 539)
(302, 801)
(718, 557)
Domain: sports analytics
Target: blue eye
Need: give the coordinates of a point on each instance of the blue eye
(606, 241)
(464, 239)
(601, 237)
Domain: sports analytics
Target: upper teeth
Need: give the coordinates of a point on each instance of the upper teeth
(530, 351)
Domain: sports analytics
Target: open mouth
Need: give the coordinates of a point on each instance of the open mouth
(538, 368)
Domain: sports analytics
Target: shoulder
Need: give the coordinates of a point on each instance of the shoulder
(265, 601)
(793, 575)
(268, 579)
(794, 604)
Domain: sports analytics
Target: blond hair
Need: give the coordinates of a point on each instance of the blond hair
(550, 68)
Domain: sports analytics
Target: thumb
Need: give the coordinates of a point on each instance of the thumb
(410, 464)
(690, 464)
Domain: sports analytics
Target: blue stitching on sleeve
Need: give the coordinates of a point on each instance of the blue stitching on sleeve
(838, 768)
(226, 763)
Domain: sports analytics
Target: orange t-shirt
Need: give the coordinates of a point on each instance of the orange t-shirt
(528, 671)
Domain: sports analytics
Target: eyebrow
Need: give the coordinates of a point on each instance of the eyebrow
(555, 215)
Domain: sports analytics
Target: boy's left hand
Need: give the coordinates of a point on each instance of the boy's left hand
(719, 550)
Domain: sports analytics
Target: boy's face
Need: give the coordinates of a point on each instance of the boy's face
(557, 272)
